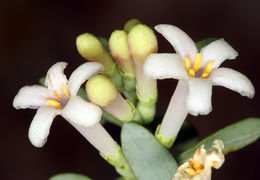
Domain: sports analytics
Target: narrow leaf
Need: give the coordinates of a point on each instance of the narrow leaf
(146, 156)
(69, 176)
(234, 137)
(205, 42)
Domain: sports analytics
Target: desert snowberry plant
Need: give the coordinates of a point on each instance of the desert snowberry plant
(119, 85)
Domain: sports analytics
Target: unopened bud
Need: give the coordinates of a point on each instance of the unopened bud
(119, 48)
(142, 42)
(90, 47)
(101, 90)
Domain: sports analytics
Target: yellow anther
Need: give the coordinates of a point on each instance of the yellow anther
(57, 96)
(196, 165)
(191, 72)
(190, 172)
(64, 90)
(53, 103)
(207, 70)
(197, 63)
(195, 168)
(187, 63)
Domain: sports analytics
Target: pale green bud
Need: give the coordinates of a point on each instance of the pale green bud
(101, 90)
(142, 42)
(119, 49)
(90, 47)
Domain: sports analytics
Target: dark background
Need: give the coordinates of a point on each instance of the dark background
(36, 34)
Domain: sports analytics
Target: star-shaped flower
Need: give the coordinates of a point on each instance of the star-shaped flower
(59, 98)
(197, 72)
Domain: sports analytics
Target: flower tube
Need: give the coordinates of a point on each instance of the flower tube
(142, 42)
(197, 73)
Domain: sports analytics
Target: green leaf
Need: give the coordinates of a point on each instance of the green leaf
(69, 176)
(146, 156)
(204, 42)
(234, 137)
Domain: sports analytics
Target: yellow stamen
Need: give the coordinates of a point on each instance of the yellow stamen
(195, 164)
(191, 72)
(197, 63)
(53, 103)
(195, 168)
(187, 63)
(190, 171)
(64, 89)
(57, 96)
(207, 70)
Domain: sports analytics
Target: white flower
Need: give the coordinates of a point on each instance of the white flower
(199, 167)
(197, 73)
(59, 98)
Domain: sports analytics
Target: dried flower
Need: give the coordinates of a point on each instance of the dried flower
(199, 167)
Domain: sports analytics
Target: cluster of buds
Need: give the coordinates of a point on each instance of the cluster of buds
(123, 72)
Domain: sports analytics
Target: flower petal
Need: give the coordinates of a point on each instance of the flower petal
(81, 74)
(199, 96)
(55, 77)
(163, 65)
(32, 97)
(233, 80)
(40, 126)
(81, 112)
(180, 41)
(217, 51)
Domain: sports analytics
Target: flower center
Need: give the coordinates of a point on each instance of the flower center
(61, 100)
(197, 66)
(195, 168)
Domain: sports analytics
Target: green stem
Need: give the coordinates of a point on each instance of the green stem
(110, 118)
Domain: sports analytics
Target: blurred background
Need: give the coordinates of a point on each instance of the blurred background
(36, 34)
